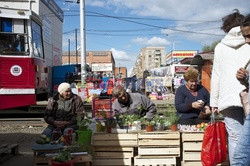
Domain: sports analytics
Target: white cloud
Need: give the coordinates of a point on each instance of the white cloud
(185, 12)
(154, 41)
(120, 55)
(95, 3)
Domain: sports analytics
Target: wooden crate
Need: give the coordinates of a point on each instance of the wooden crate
(112, 161)
(114, 148)
(159, 144)
(85, 159)
(200, 164)
(115, 139)
(155, 161)
(191, 148)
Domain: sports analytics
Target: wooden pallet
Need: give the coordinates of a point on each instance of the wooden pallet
(159, 144)
(114, 148)
(154, 161)
(7, 151)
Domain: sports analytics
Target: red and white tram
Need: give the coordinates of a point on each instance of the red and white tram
(23, 67)
(23, 72)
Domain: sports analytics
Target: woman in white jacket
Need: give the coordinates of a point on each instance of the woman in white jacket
(230, 54)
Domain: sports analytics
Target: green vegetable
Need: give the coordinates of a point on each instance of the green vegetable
(40, 141)
(47, 140)
(43, 136)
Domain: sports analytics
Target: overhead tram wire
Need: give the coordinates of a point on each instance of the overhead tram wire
(178, 30)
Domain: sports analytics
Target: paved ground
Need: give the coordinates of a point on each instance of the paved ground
(25, 137)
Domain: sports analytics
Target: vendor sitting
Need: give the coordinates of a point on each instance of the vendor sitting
(132, 103)
(192, 100)
(61, 112)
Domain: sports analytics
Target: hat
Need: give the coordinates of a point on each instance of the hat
(63, 87)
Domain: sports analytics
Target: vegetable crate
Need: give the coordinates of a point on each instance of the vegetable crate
(114, 149)
(191, 149)
(156, 148)
(100, 104)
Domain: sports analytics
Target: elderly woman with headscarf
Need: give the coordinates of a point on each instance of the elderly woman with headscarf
(192, 100)
(62, 110)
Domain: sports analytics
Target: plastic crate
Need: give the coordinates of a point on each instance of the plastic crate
(100, 104)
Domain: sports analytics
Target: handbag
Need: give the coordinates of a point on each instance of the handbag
(214, 146)
(244, 96)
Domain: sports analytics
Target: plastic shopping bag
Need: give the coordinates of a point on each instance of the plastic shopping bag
(214, 148)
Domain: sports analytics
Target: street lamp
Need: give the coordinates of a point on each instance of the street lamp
(83, 40)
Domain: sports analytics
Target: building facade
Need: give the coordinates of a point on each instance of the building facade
(149, 58)
(99, 61)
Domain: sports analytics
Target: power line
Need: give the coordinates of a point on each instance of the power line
(160, 27)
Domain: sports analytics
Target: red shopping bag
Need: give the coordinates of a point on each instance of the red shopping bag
(214, 148)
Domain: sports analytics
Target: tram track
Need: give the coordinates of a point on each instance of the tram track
(24, 122)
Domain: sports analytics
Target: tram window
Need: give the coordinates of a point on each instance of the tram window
(37, 39)
(6, 25)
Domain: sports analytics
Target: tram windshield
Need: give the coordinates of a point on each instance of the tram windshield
(13, 44)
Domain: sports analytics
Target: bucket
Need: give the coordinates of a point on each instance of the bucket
(84, 137)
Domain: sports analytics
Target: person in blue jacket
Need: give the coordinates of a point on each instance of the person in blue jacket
(192, 100)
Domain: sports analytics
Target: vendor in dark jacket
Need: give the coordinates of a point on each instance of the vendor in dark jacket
(192, 100)
(62, 110)
(132, 103)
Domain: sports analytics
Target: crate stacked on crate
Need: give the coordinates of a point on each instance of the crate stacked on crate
(114, 148)
(191, 149)
(100, 104)
(158, 148)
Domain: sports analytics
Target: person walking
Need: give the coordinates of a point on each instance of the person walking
(242, 151)
(230, 54)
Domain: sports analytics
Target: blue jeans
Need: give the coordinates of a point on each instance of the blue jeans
(234, 119)
(242, 151)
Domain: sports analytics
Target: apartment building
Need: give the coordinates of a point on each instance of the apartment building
(149, 58)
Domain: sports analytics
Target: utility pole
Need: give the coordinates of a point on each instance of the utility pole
(69, 50)
(76, 46)
(83, 40)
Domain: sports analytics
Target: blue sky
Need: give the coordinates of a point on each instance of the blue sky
(126, 26)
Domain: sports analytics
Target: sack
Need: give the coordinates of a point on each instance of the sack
(244, 101)
(214, 149)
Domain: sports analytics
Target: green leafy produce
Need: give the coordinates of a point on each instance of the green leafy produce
(47, 140)
(63, 156)
(40, 141)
